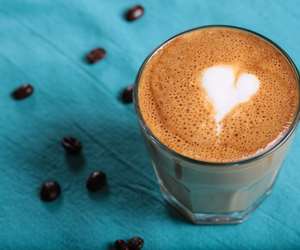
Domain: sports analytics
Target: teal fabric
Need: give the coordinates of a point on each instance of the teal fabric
(44, 43)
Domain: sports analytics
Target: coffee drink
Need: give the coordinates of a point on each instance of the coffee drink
(218, 108)
(218, 94)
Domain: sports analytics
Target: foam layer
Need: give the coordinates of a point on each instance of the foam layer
(218, 94)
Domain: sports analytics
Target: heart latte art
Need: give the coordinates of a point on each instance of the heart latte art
(226, 88)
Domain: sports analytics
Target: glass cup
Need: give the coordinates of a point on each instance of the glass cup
(214, 193)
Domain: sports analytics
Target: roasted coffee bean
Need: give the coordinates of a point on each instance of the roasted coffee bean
(95, 55)
(134, 13)
(136, 243)
(22, 91)
(127, 94)
(121, 245)
(71, 145)
(50, 191)
(96, 181)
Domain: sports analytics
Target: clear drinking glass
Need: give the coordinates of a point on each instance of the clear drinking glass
(215, 193)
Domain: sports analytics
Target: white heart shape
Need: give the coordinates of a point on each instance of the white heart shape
(226, 91)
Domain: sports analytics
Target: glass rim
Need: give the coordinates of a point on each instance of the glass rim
(258, 156)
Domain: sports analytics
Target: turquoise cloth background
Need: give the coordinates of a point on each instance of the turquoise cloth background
(44, 43)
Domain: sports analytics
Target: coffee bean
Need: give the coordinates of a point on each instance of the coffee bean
(127, 94)
(71, 145)
(136, 243)
(134, 13)
(95, 55)
(22, 91)
(50, 191)
(96, 181)
(121, 245)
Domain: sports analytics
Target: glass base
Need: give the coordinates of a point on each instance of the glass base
(212, 218)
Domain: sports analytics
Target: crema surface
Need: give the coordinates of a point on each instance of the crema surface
(218, 94)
